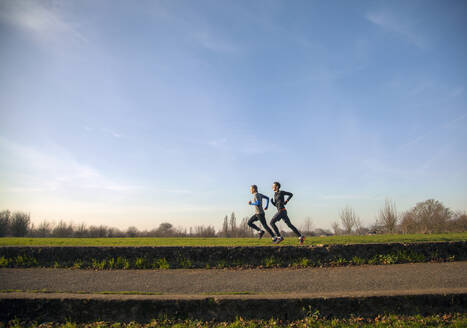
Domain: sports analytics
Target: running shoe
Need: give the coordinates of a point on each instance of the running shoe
(274, 239)
(260, 234)
(279, 239)
(301, 239)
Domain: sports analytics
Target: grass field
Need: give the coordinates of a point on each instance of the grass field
(7, 241)
(446, 320)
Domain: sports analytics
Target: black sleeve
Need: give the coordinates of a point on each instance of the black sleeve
(286, 193)
(272, 201)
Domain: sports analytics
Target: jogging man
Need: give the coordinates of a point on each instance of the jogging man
(259, 215)
(279, 202)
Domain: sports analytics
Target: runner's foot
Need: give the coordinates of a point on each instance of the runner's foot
(279, 239)
(274, 239)
(301, 239)
(260, 234)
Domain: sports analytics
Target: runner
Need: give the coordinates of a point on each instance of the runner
(259, 215)
(278, 201)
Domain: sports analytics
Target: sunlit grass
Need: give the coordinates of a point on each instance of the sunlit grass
(289, 241)
(417, 321)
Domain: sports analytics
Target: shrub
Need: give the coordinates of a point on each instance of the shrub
(19, 224)
(63, 230)
(160, 264)
(4, 223)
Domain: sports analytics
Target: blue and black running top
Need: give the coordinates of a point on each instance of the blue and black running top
(258, 202)
(278, 199)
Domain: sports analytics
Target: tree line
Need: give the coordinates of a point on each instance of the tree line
(430, 216)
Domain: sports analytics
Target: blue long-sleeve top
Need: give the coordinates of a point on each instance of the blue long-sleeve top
(257, 202)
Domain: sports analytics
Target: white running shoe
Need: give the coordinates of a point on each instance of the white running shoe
(279, 239)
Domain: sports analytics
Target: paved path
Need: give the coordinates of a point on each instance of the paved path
(359, 280)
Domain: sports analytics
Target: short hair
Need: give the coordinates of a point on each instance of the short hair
(255, 187)
(277, 184)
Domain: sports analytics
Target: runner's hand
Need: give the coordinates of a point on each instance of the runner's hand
(249, 203)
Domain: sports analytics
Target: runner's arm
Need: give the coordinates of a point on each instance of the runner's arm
(267, 202)
(286, 193)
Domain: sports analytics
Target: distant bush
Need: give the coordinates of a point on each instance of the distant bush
(4, 223)
(19, 224)
(62, 229)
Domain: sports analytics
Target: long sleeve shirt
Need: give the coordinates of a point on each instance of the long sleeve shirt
(278, 199)
(257, 202)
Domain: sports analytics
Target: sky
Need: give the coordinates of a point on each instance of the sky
(128, 113)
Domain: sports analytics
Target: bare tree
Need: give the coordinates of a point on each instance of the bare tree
(429, 216)
(81, 230)
(433, 215)
(225, 227)
(98, 231)
(244, 229)
(4, 223)
(348, 219)
(202, 231)
(408, 223)
(359, 228)
(458, 222)
(233, 225)
(62, 229)
(19, 224)
(44, 229)
(388, 216)
(307, 226)
(335, 228)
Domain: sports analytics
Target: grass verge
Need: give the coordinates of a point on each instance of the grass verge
(290, 241)
(446, 320)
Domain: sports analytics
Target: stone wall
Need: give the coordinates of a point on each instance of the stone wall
(210, 257)
(84, 309)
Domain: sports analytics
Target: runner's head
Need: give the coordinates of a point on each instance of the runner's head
(253, 189)
(276, 186)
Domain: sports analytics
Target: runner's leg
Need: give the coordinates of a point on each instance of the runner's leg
(274, 219)
(291, 226)
(251, 224)
(262, 219)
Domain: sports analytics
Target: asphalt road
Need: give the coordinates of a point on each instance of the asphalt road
(358, 280)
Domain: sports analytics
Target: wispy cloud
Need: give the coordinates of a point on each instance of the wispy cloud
(398, 25)
(217, 142)
(349, 197)
(457, 91)
(432, 130)
(104, 131)
(210, 41)
(34, 170)
(44, 23)
(112, 133)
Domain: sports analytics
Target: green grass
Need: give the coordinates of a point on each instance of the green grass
(290, 241)
(446, 320)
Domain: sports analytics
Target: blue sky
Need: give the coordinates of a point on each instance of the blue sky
(135, 113)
